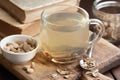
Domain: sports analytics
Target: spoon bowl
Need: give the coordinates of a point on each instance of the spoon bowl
(88, 63)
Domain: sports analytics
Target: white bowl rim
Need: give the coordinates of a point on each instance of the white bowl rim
(18, 35)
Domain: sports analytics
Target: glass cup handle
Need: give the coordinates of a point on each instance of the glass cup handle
(95, 36)
(101, 29)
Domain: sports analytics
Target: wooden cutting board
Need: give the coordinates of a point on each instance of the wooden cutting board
(106, 55)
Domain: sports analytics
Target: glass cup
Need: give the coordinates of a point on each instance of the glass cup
(108, 11)
(64, 35)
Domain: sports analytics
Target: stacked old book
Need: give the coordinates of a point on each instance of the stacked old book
(23, 16)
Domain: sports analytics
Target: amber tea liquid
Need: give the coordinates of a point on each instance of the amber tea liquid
(64, 35)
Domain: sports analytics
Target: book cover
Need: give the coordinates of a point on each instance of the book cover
(26, 11)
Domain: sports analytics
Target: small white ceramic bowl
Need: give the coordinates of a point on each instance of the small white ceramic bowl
(17, 58)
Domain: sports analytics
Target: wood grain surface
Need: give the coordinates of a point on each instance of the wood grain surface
(116, 72)
(109, 74)
(42, 65)
(106, 55)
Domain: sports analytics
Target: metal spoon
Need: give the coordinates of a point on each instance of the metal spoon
(89, 63)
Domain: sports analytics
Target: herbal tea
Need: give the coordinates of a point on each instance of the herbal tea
(64, 35)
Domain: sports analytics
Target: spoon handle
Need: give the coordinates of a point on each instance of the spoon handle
(90, 51)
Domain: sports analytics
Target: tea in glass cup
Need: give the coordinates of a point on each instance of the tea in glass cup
(64, 36)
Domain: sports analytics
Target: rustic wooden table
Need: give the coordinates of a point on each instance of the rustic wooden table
(45, 69)
(113, 73)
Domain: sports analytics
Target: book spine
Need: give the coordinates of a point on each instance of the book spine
(8, 29)
(13, 10)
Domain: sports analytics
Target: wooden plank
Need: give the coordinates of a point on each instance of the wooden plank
(106, 55)
(98, 77)
(108, 73)
(116, 72)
